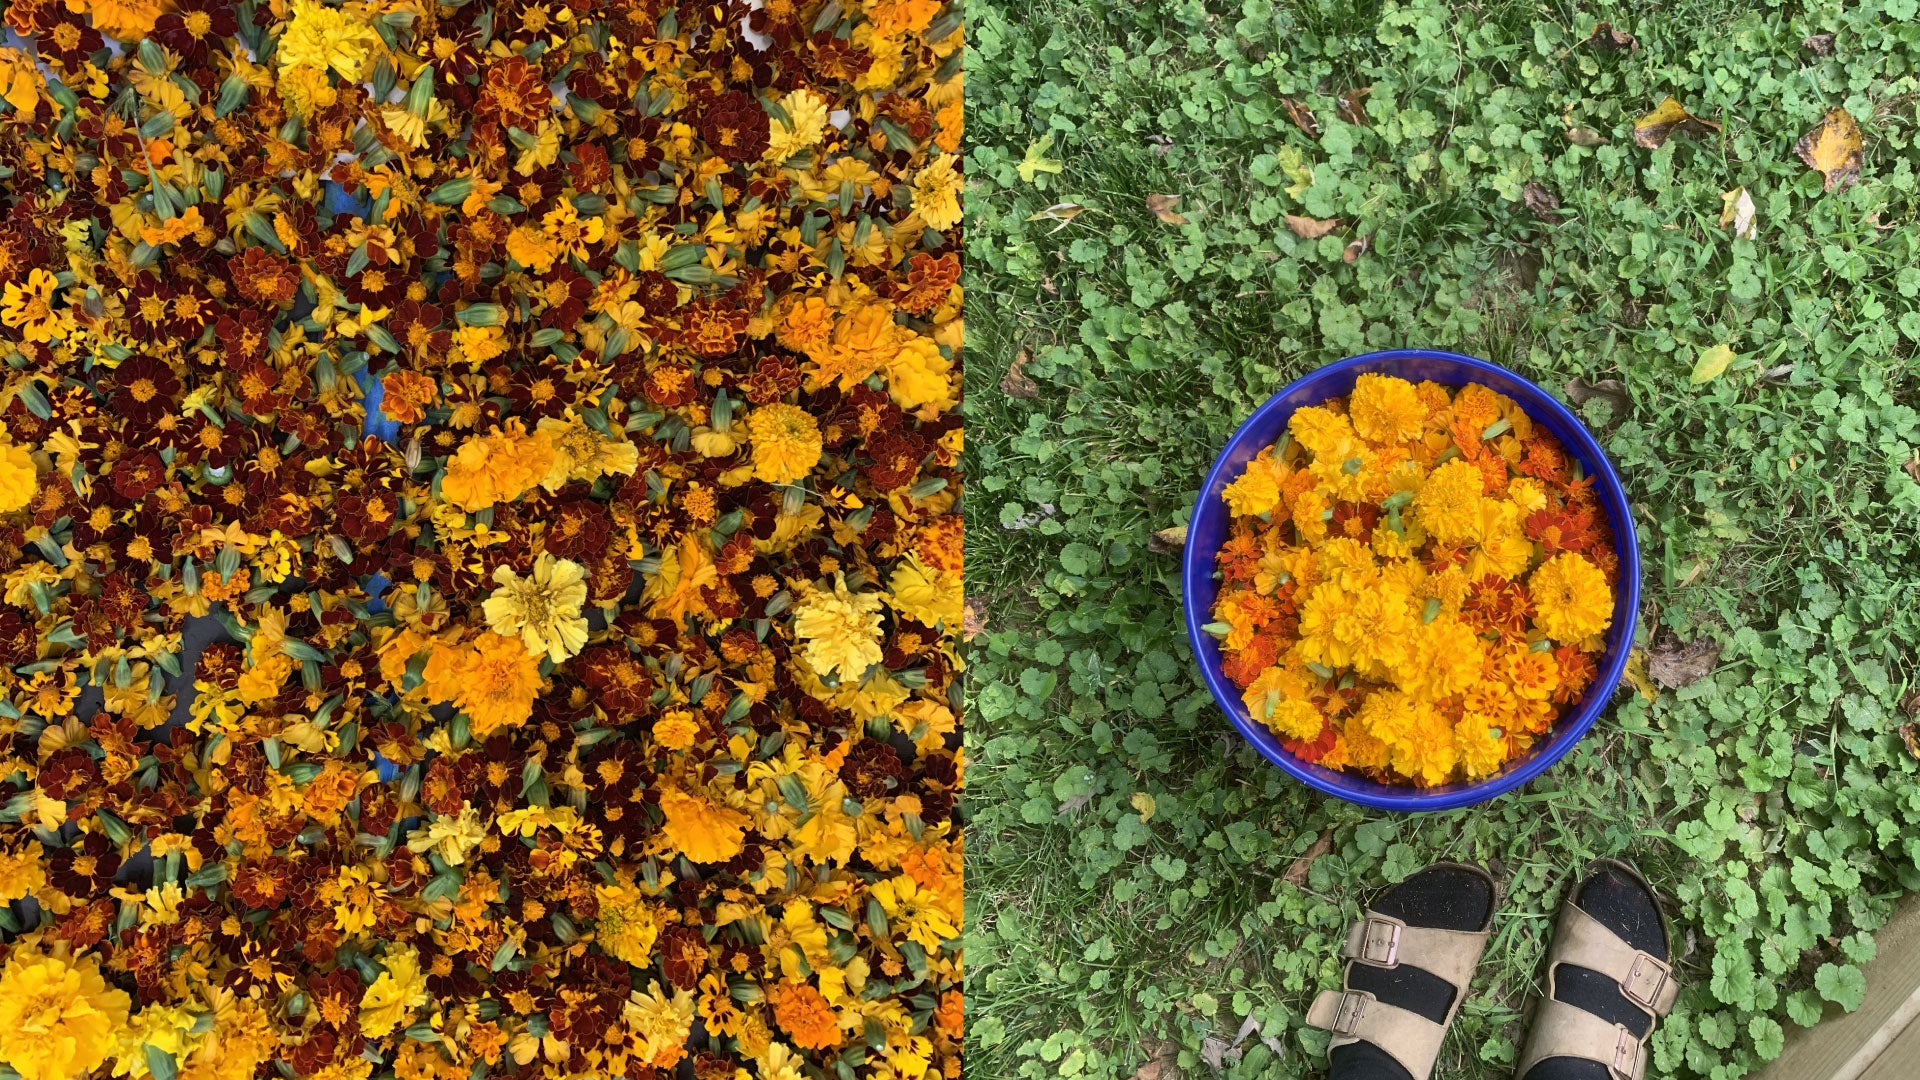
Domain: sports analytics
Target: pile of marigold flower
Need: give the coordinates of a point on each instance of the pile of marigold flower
(479, 513)
(1416, 582)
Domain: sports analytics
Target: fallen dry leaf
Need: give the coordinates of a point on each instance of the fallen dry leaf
(1161, 144)
(1674, 664)
(1832, 148)
(1352, 106)
(1061, 212)
(1585, 136)
(1606, 37)
(1015, 382)
(1635, 674)
(1143, 804)
(1161, 1066)
(1301, 116)
(1168, 539)
(1355, 248)
(1912, 738)
(1163, 208)
(1819, 44)
(1737, 213)
(1542, 202)
(1913, 469)
(973, 620)
(1654, 129)
(1612, 391)
(1297, 873)
(1711, 363)
(1307, 228)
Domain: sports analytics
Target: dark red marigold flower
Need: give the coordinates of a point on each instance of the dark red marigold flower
(735, 126)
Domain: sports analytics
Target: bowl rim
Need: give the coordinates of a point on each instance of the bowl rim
(1197, 571)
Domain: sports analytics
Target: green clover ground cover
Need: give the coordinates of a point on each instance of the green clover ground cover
(1128, 886)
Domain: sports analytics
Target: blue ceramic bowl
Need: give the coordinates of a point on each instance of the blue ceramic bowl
(1208, 531)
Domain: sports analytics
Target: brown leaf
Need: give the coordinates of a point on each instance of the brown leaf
(1161, 1066)
(1674, 664)
(1585, 136)
(973, 620)
(1307, 228)
(1352, 106)
(1301, 116)
(1635, 674)
(1913, 466)
(1015, 382)
(1654, 129)
(1912, 738)
(1819, 44)
(1161, 144)
(1297, 873)
(1163, 208)
(1169, 539)
(1832, 148)
(1542, 202)
(1612, 391)
(1356, 248)
(1606, 38)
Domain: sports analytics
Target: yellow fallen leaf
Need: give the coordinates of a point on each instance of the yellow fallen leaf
(1833, 148)
(1034, 161)
(1307, 228)
(1737, 213)
(1144, 804)
(1711, 363)
(1162, 207)
(1636, 674)
(1653, 129)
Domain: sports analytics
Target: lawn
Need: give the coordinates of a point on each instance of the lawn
(1146, 895)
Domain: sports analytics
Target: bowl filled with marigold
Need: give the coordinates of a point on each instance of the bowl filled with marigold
(1411, 579)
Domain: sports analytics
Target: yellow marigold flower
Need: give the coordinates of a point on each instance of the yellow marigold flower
(1319, 428)
(167, 1028)
(1448, 505)
(543, 608)
(1275, 699)
(805, 125)
(1385, 409)
(498, 467)
(1419, 740)
(917, 910)
(123, 20)
(58, 1016)
(581, 453)
(319, 36)
(699, 828)
(1310, 513)
(1504, 551)
(1526, 493)
(936, 193)
(627, 927)
(1571, 598)
(1534, 674)
(659, 1023)
(450, 835)
(1328, 611)
(1446, 659)
(30, 307)
(1257, 489)
(400, 989)
(918, 375)
(676, 730)
(841, 630)
(864, 341)
(1482, 748)
(19, 479)
(352, 893)
(1348, 563)
(928, 597)
(496, 682)
(786, 442)
(1343, 470)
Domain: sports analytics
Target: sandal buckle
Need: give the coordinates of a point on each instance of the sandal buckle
(1626, 1054)
(1380, 944)
(1346, 1018)
(1645, 982)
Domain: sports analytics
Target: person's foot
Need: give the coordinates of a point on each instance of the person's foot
(1608, 979)
(1409, 963)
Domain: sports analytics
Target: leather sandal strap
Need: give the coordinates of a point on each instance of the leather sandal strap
(1584, 941)
(1357, 1016)
(1563, 1030)
(1383, 942)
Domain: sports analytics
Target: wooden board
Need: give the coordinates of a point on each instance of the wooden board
(1879, 1041)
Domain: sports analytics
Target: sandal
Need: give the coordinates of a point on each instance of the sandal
(1606, 988)
(1409, 962)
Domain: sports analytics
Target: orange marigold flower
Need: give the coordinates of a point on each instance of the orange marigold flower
(405, 395)
(803, 1013)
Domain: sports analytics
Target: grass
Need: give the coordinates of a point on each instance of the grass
(1128, 886)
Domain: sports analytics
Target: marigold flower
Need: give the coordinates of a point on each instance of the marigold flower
(841, 630)
(626, 927)
(30, 306)
(1386, 409)
(543, 608)
(805, 1016)
(1448, 504)
(323, 37)
(19, 477)
(786, 442)
(1571, 598)
(936, 193)
(400, 989)
(58, 1016)
(700, 829)
(495, 683)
